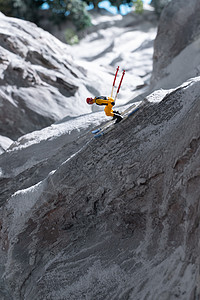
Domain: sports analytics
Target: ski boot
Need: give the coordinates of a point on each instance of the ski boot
(117, 116)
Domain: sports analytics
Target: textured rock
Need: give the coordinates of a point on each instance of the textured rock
(178, 28)
(117, 220)
(42, 151)
(109, 218)
(43, 80)
(4, 143)
(40, 82)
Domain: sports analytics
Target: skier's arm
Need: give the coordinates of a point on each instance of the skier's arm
(100, 101)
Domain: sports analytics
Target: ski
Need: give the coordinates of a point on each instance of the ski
(125, 114)
(109, 123)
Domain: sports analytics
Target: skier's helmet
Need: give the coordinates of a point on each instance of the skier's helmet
(89, 101)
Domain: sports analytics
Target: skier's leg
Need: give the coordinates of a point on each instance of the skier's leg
(108, 110)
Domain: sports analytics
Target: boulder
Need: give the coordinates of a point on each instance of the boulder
(118, 218)
(40, 82)
(178, 31)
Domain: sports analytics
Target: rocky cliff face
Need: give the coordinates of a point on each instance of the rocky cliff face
(176, 57)
(43, 80)
(109, 218)
(117, 220)
(40, 82)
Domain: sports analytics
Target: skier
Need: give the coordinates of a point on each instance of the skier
(109, 103)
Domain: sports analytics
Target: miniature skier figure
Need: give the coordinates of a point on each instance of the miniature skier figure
(109, 102)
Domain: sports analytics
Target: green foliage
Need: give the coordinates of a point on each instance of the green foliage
(71, 37)
(117, 3)
(58, 10)
(94, 2)
(138, 6)
(6, 7)
(28, 9)
(24, 9)
(71, 9)
(78, 14)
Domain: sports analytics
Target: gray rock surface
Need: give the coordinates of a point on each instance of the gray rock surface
(40, 82)
(5, 143)
(84, 218)
(177, 29)
(119, 219)
(43, 80)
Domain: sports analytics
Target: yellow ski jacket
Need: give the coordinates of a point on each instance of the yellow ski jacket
(108, 102)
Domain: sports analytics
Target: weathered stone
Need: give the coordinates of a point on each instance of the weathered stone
(86, 229)
(39, 81)
(109, 218)
(178, 28)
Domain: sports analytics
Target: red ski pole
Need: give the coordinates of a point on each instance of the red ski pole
(114, 81)
(119, 85)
